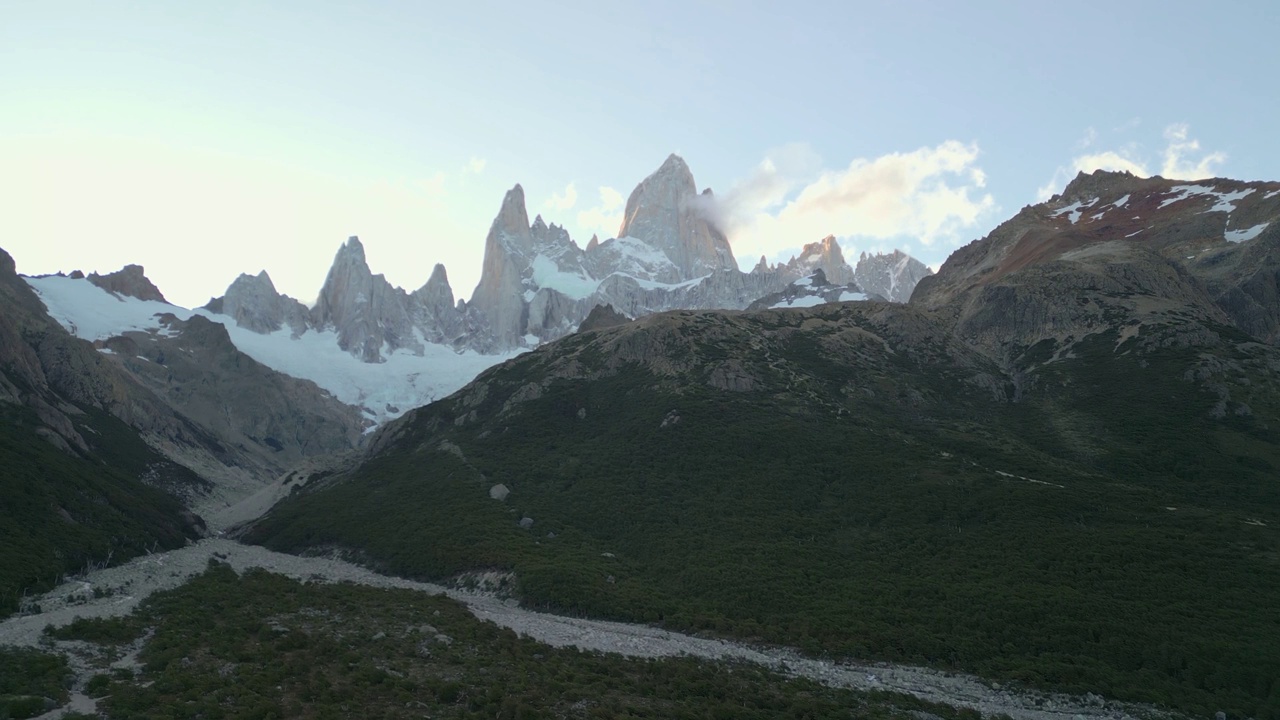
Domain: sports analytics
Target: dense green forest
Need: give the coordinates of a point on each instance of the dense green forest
(1106, 533)
(261, 646)
(31, 681)
(63, 511)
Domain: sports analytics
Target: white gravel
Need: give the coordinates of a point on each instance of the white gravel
(126, 585)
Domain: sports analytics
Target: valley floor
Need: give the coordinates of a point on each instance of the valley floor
(118, 591)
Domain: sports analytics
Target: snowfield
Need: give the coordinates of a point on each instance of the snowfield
(383, 391)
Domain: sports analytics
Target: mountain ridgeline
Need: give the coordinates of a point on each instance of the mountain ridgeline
(537, 284)
(1056, 465)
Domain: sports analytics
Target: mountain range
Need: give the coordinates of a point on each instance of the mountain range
(222, 399)
(537, 284)
(1051, 463)
(1056, 465)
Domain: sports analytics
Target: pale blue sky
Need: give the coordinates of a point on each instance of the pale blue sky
(207, 139)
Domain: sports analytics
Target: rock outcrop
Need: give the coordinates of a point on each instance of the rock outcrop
(130, 280)
(253, 302)
(603, 316)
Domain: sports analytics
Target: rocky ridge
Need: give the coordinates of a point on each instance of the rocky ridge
(1136, 252)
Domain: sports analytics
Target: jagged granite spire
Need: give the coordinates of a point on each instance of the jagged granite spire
(823, 255)
(368, 314)
(664, 211)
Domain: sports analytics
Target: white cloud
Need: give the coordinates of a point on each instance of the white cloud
(767, 187)
(605, 218)
(475, 166)
(930, 194)
(1176, 161)
(1177, 166)
(560, 202)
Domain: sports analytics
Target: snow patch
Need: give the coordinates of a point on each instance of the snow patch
(1239, 236)
(799, 302)
(847, 296)
(1225, 200)
(546, 274)
(1074, 210)
(1271, 194)
(655, 285)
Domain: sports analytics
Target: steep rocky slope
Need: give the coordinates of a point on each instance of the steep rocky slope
(1124, 250)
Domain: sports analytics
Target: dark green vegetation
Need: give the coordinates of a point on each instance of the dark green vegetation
(261, 646)
(1108, 532)
(29, 679)
(64, 510)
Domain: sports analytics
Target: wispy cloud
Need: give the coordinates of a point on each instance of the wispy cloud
(603, 219)
(1178, 165)
(562, 201)
(928, 195)
(474, 166)
(1181, 159)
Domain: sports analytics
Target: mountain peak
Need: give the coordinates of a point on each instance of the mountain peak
(674, 163)
(439, 274)
(513, 218)
(663, 212)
